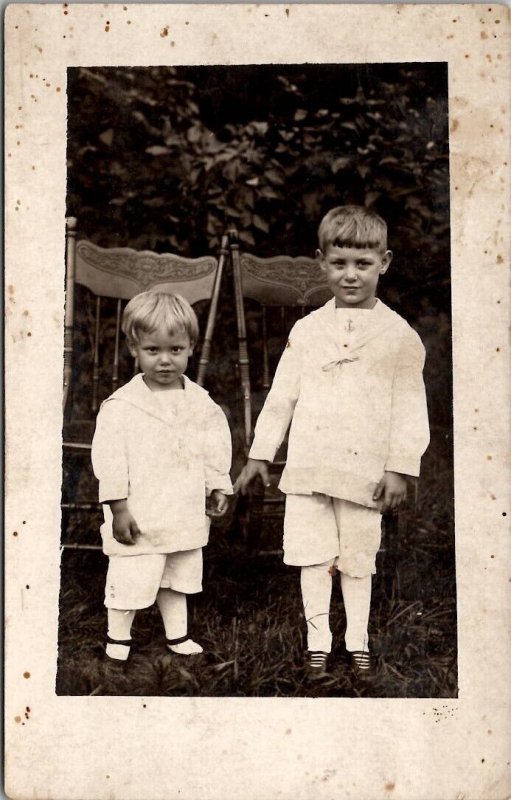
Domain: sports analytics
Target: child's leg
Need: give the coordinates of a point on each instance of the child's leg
(310, 538)
(359, 540)
(356, 593)
(316, 584)
(182, 575)
(174, 613)
(131, 583)
(119, 633)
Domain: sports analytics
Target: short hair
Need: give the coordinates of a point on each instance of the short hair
(152, 310)
(352, 226)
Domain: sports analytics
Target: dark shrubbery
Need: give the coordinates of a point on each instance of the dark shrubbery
(165, 158)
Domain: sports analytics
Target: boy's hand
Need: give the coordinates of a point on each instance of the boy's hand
(124, 527)
(217, 504)
(252, 468)
(390, 492)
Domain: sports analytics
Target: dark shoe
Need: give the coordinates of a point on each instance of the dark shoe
(116, 650)
(112, 669)
(361, 663)
(316, 663)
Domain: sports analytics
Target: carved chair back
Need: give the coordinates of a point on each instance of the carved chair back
(117, 274)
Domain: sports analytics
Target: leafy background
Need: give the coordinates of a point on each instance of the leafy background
(166, 158)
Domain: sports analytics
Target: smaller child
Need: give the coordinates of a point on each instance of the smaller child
(160, 448)
(350, 385)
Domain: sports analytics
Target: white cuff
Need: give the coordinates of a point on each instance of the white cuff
(110, 490)
(404, 465)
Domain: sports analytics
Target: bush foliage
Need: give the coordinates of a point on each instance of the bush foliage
(164, 158)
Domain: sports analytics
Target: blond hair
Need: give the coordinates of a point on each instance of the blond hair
(153, 310)
(352, 226)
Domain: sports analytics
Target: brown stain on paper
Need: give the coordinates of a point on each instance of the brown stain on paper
(18, 718)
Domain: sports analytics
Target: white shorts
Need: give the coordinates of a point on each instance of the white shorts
(318, 528)
(134, 581)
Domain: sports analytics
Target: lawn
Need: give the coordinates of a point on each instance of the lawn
(250, 622)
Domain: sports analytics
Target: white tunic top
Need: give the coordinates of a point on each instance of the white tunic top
(356, 401)
(164, 455)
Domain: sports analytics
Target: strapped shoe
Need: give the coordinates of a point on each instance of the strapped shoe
(117, 650)
(183, 646)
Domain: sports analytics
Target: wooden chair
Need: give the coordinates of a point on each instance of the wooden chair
(284, 288)
(96, 361)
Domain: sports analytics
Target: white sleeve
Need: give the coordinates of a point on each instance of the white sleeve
(109, 460)
(217, 450)
(409, 429)
(278, 409)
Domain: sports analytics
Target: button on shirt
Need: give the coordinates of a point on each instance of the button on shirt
(351, 322)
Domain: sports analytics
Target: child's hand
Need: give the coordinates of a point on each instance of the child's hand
(217, 504)
(391, 491)
(124, 527)
(252, 468)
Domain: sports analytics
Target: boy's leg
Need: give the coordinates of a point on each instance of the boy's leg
(119, 633)
(131, 583)
(356, 593)
(310, 530)
(311, 542)
(316, 585)
(182, 575)
(174, 613)
(359, 540)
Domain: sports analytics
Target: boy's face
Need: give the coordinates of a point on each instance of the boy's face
(353, 273)
(162, 358)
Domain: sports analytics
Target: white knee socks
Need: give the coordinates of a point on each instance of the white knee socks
(356, 593)
(174, 613)
(173, 610)
(119, 629)
(316, 583)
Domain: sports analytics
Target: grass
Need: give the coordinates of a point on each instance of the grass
(250, 622)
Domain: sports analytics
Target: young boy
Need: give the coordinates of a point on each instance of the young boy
(161, 445)
(350, 382)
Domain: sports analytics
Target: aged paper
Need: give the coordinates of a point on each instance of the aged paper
(161, 748)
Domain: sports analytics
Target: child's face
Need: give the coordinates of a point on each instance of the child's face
(353, 273)
(162, 358)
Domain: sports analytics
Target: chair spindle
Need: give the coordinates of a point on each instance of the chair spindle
(69, 310)
(242, 338)
(115, 369)
(210, 326)
(266, 367)
(95, 365)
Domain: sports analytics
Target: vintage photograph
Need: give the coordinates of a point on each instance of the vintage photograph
(273, 241)
(257, 389)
